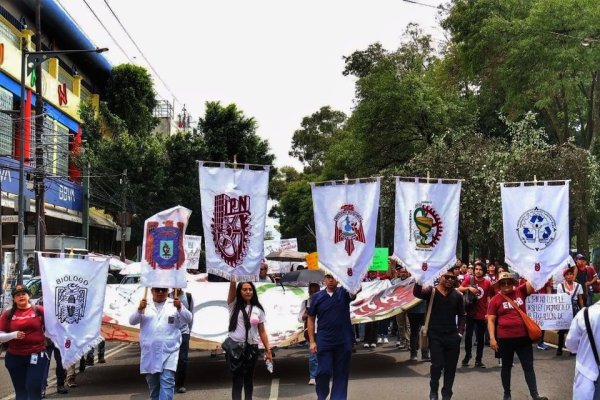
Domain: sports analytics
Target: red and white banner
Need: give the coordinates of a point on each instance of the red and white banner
(234, 211)
(346, 222)
(163, 254)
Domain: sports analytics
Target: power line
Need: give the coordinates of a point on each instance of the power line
(419, 3)
(140, 50)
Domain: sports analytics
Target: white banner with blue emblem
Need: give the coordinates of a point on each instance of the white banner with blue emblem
(426, 228)
(163, 252)
(73, 293)
(234, 212)
(536, 229)
(346, 223)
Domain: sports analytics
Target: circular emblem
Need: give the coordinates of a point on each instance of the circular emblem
(427, 226)
(536, 229)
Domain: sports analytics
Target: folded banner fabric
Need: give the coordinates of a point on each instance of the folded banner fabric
(163, 252)
(426, 229)
(234, 211)
(536, 229)
(346, 222)
(73, 303)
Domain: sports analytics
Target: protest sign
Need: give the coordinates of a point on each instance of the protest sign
(550, 311)
(312, 261)
(192, 245)
(380, 260)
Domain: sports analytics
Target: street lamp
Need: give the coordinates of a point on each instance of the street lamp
(31, 59)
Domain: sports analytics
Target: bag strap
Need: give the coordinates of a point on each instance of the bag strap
(515, 306)
(427, 317)
(588, 328)
(246, 317)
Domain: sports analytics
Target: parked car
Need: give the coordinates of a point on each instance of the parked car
(35, 288)
(131, 279)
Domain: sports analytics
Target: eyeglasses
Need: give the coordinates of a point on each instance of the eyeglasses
(450, 277)
(160, 290)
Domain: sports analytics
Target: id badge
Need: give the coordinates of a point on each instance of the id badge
(34, 358)
(171, 319)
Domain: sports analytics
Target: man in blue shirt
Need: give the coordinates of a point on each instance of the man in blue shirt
(330, 309)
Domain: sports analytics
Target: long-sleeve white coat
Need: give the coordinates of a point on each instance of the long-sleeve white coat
(160, 335)
(585, 364)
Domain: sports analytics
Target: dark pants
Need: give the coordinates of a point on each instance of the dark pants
(521, 346)
(27, 378)
(183, 360)
(371, 332)
(101, 350)
(444, 349)
(416, 321)
(61, 373)
(333, 363)
(244, 378)
(479, 326)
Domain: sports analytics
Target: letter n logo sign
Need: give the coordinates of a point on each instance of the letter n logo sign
(62, 94)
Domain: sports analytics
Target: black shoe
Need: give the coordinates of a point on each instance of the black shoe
(43, 393)
(507, 397)
(538, 397)
(101, 360)
(62, 390)
(559, 352)
(433, 396)
(479, 364)
(465, 361)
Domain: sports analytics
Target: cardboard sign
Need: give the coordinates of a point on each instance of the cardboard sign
(380, 260)
(550, 311)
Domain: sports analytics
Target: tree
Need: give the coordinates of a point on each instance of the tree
(130, 96)
(318, 132)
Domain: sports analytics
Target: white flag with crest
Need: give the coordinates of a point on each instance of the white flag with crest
(73, 292)
(536, 229)
(163, 252)
(346, 222)
(234, 212)
(426, 229)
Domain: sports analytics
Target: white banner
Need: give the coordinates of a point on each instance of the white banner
(550, 311)
(234, 211)
(280, 245)
(536, 230)
(346, 221)
(73, 291)
(192, 245)
(163, 254)
(426, 229)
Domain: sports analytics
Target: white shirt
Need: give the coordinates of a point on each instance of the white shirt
(256, 317)
(160, 335)
(577, 342)
(574, 292)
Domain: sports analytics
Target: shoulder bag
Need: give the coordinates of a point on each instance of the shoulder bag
(469, 299)
(423, 338)
(238, 353)
(588, 328)
(533, 329)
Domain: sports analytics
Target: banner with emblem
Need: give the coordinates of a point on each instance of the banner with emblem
(73, 293)
(536, 228)
(163, 252)
(426, 228)
(234, 212)
(346, 222)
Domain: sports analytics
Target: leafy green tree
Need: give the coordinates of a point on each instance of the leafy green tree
(295, 212)
(130, 96)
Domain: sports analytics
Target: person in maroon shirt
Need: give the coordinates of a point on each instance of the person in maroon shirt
(476, 313)
(26, 359)
(511, 332)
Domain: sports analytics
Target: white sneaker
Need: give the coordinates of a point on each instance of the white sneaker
(312, 381)
(373, 345)
(379, 340)
(499, 362)
(366, 345)
(385, 340)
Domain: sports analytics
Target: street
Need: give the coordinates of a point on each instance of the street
(382, 373)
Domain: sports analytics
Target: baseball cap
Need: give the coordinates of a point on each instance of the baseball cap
(580, 257)
(20, 289)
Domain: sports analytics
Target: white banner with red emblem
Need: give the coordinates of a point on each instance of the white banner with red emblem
(73, 293)
(426, 228)
(536, 229)
(163, 252)
(234, 212)
(346, 222)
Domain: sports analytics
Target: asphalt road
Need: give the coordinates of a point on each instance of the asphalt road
(376, 374)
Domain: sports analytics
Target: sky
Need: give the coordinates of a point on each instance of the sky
(277, 60)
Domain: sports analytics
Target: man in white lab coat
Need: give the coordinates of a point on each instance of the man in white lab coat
(586, 369)
(160, 337)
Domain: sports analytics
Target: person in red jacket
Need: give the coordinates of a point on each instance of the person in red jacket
(22, 327)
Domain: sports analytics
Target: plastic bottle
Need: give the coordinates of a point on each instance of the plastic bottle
(269, 365)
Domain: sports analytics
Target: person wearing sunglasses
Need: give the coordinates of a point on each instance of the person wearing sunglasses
(508, 334)
(161, 320)
(445, 331)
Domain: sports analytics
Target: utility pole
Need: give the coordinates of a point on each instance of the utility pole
(38, 176)
(124, 215)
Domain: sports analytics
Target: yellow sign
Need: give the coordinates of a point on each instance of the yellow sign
(312, 260)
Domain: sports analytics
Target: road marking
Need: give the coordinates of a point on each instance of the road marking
(109, 354)
(274, 389)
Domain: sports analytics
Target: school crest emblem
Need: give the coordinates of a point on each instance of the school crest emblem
(164, 244)
(536, 229)
(426, 226)
(348, 227)
(70, 303)
(230, 228)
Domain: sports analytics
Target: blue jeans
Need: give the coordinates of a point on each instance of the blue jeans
(27, 378)
(312, 364)
(161, 385)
